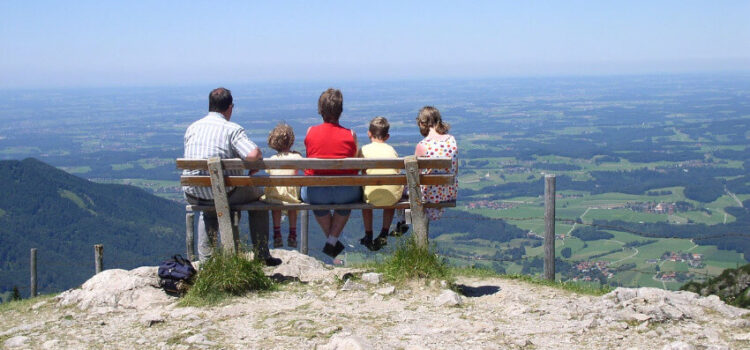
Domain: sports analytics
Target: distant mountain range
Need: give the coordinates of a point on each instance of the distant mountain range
(63, 216)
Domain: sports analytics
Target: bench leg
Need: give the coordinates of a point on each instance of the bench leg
(303, 226)
(222, 206)
(419, 221)
(190, 235)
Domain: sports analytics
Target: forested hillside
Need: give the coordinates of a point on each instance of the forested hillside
(63, 216)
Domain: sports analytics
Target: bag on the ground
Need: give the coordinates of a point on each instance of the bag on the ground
(176, 275)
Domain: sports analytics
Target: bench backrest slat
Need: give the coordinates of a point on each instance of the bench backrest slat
(316, 163)
(342, 180)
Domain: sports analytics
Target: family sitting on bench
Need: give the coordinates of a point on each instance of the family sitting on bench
(215, 136)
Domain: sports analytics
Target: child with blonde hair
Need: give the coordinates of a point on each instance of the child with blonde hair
(281, 139)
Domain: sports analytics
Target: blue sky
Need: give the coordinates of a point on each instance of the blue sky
(139, 43)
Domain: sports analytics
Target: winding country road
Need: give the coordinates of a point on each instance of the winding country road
(739, 202)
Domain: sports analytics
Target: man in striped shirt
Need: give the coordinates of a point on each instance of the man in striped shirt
(215, 136)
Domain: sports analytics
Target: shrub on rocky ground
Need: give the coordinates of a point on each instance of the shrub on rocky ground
(409, 261)
(225, 275)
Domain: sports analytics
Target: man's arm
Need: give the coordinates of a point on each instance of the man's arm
(246, 148)
(255, 154)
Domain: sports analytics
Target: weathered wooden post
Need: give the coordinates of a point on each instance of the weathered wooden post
(549, 227)
(98, 257)
(33, 272)
(236, 217)
(419, 220)
(304, 219)
(190, 235)
(222, 205)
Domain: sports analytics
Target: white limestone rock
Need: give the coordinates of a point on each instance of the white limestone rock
(386, 290)
(372, 277)
(16, 342)
(678, 345)
(135, 289)
(345, 343)
(350, 285)
(448, 298)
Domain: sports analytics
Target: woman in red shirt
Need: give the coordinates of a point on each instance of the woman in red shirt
(330, 140)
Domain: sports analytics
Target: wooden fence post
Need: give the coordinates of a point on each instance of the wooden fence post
(98, 257)
(419, 220)
(222, 205)
(304, 220)
(549, 227)
(190, 235)
(33, 272)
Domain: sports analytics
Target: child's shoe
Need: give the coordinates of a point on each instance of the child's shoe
(367, 242)
(401, 228)
(333, 250)
(277, 241)
(291, 241)
(380, 241)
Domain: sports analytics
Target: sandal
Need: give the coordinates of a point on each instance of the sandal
(277, 241)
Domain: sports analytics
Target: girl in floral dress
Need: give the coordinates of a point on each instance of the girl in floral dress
(437, 144)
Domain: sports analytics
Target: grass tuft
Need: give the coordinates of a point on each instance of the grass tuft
(410, 261)
(225, 275)
(474, 271)
(574, 287)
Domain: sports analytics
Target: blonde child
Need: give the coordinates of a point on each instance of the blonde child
(281, 139)
(384, 195)
(437, 143)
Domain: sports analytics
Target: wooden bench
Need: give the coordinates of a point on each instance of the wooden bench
(228, 222)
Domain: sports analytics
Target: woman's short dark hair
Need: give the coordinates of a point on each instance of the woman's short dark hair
(219, 100)
(281, 137)
(379, 128)
(429, 117)
(330, 105)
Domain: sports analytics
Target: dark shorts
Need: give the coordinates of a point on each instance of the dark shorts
(332, 195)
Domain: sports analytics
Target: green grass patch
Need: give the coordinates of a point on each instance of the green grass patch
(226, 275)
(575, 287)
(24, 305)
(481, 271)
(411, 261)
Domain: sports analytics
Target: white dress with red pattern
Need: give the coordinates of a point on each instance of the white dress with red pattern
(447, 148)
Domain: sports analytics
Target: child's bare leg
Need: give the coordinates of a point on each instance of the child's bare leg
(367, 219)
(291, 240)
(292, 219)
(277, 241)
(276, 214)
(382, 238)
(387, 218)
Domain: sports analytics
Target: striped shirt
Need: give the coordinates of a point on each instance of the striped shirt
(214, 136)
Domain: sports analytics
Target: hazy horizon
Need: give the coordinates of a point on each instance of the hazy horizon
(90, 44)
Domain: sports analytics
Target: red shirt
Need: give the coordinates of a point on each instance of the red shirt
(330, 141)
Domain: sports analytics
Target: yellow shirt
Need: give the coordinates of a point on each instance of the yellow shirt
(283, 194)
(386, 194)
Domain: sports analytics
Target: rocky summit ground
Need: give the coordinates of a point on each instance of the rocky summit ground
(321, 308)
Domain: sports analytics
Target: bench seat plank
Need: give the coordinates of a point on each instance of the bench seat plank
(318, 180)
(316, 163)
(305, 206)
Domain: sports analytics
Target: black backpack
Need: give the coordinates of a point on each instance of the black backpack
(176, 275)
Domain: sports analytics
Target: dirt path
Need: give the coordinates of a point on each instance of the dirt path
(739, 202)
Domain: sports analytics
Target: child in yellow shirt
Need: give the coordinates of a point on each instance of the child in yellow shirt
(384, 195)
